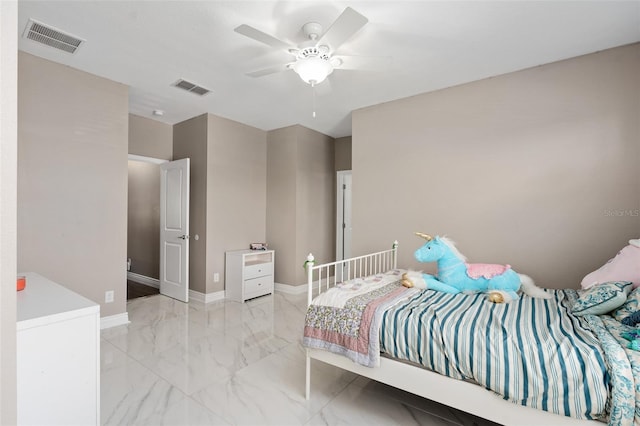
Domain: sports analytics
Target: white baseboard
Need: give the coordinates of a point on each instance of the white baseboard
(290, 289)
(142, 279)
(114, 320)
(206, 298)
(193, 295)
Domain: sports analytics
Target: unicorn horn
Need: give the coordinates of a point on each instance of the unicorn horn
(425, 236)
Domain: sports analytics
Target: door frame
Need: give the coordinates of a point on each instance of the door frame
(341, 178)
(152, 282)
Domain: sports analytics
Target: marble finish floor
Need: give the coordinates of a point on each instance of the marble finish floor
(227, 363)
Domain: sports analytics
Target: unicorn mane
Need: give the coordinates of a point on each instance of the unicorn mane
(452, 246)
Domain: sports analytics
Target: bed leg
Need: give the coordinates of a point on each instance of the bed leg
(307, 390)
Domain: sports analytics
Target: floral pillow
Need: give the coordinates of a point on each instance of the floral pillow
(629, 312)
(602, 298)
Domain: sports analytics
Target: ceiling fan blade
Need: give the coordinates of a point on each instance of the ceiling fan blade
(258, 35)
(347, 24)
(271, 70)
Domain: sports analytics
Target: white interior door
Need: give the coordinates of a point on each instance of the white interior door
(343, 218)
(174, 229)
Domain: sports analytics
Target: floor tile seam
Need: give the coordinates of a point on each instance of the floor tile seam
(329, 401)
(116, 342)
(189, 353)
(137, 325)
(145, 420)
(153, 349)
(210, 411)
(130, 356)
(114, 346)
(348, 383)
(224, 382)
(308, 402)
(185, 398)
(187, 345)
(157, 377)
(229, 334)
(208, 327)
(411, 405)
(287, 338)
(134, 325)
(108, 339)
(189, 394)
(249, 363)
(184, 393)
(140, 363)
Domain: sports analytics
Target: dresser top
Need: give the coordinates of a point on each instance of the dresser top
(44, 301)
(248, 251)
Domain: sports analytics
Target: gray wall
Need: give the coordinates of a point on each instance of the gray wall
(8, 140)
(150, 138)
(236, 192)
(190, 141)
(315, 200)
(343, 153)
(300, 200)
(537, 168)
(281, 201)
(72, 179)
(228, 192)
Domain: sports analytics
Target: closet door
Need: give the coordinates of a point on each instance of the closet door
(174, 229)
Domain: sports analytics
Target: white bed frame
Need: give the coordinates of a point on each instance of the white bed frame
(458, 394)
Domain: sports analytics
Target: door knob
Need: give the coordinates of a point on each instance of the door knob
(184, 237)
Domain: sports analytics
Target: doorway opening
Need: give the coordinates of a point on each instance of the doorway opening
(136, 290)
(143, 224)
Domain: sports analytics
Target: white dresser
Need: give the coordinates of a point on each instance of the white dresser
(248, 274)
(58, 355)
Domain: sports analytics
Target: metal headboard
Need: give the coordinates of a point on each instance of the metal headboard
(328, 275)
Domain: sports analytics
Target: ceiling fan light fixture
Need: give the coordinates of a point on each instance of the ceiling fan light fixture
(313, 70)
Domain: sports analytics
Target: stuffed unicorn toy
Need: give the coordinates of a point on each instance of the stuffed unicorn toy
(456, 276)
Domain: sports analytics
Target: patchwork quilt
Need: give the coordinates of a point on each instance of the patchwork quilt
(346, 319)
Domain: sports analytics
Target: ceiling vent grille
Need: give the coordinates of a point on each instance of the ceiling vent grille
(42, 33)
(191, 87)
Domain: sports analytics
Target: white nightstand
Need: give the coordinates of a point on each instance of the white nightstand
(248, 274)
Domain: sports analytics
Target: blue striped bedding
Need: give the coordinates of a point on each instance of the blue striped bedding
(533, 352)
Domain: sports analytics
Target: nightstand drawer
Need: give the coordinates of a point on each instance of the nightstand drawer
(258, 286)
(258, 270)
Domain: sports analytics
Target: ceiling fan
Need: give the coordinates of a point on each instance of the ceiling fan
(314, 59)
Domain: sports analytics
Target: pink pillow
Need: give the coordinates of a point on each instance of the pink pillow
(624, 267)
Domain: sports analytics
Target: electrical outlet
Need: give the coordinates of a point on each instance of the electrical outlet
(216, 277)
(108, 296)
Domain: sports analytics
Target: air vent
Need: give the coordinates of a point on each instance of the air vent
(42, 33)
(190, 87)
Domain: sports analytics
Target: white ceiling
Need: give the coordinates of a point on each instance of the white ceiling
(148, 45)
